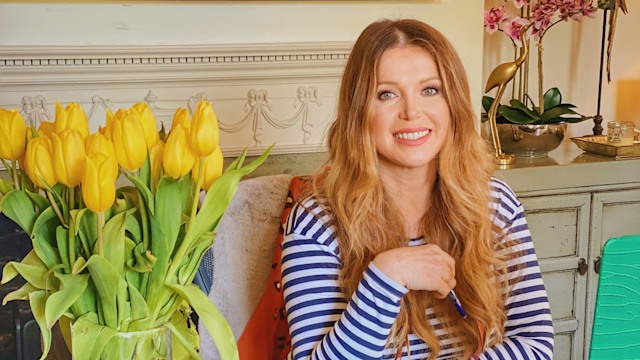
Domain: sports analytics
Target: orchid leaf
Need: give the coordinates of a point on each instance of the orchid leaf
(213, 320)
(517, 104)
(72, 286)
(552, 98)
(516, 116)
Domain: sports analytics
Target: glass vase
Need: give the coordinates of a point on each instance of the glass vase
(152, 344)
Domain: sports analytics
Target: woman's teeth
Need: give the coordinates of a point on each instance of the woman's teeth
(412, 135)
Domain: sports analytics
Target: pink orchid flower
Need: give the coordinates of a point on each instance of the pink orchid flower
(520, 3)
(513, 27)
(493, 18)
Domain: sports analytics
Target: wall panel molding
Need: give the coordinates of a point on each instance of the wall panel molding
(278, 93)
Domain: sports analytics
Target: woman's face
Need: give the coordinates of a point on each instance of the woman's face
(411, 116)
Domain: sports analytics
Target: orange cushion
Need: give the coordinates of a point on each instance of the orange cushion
(266, 336)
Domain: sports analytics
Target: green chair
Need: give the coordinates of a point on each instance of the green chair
(616, 325)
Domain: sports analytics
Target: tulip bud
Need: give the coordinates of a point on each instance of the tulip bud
(212, 168)
(68, 157)
(129, 144)
(71, 117)
(178, 158)
(47, 128)
(204, 130)
(13, 135)
(37, 162)
(99, 144)
(108, 128)
(181, 117)
(155, 158)
(148, 122)
(98, 183)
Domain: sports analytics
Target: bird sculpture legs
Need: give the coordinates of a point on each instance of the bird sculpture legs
(499, 157)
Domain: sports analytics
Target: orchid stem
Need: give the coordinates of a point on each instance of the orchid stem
(99, 243)
(55, 207)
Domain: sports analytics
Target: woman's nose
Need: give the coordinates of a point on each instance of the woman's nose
(409, 108)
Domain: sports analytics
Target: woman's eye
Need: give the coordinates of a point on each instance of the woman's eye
(385, 95)
(431, 90)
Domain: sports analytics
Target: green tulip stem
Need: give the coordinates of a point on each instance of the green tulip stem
(145, 240)
(196, 194)
(55, 207)
(99, 243)
(72, 243)
(14, 171)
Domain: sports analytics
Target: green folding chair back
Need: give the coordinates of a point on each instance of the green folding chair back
(616, 325)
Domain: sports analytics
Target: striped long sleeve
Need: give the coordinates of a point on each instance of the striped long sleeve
(324, 324)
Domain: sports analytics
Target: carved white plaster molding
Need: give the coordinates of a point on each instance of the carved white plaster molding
(25, 65)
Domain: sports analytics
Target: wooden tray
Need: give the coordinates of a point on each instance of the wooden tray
(597, 144)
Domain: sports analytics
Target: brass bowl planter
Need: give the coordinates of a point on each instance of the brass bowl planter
(531, 140)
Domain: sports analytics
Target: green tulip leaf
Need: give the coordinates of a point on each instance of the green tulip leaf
(79, 265)
(145, 172)
(34, 268)
(44, 236)
(144, 191)
(37, 302)
(5, 186)
(38, 200)
(87, 228)
(89, 339)
(552, 98)
(139, 308)
(134, 229)
(113, 237)
(105, 279)
(213, 320)
(62, 239)
(72, 286)
(124, 307)
(20, 294)
(186, 345)
(17, 206)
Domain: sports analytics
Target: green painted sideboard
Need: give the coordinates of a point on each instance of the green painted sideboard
(574, 202)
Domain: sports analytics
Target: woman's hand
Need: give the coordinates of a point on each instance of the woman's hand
(424, 267)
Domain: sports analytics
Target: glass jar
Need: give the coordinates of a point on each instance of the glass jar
(620, 133)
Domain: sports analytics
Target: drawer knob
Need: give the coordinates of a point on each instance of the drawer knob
(582, 266)
(596, 264)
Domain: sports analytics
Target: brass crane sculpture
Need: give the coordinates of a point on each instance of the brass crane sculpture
(500, 77)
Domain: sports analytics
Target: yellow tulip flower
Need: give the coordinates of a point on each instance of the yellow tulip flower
(98, 143)
(204, 130)
(213, 165)
(178, 158)
(37, 162)
(155, 158)
(148, 122)
(128, 140)
(98, 183)
(47, 128)
(13, 135)
(71, 117)
(181, 117)
(68, 157)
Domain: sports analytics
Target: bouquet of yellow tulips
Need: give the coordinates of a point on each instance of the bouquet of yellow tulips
(110, 260)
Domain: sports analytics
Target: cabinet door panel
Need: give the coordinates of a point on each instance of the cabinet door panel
(615, 213)
(559, 227)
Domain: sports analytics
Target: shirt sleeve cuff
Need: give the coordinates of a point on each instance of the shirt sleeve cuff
(384, 284)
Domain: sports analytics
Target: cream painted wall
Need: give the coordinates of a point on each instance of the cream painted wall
(231, 22)
(571, 62)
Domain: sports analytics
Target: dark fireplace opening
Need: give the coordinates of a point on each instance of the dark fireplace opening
(19, 333)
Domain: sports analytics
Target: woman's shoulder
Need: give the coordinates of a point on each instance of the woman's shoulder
(310, 219)
(504, 199)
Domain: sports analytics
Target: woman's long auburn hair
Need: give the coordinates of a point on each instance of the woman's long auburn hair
(458, 220)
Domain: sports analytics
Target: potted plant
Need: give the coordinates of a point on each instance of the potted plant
(526, 126)
(112, 264)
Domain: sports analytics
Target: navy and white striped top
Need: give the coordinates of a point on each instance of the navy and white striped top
(324, 324)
